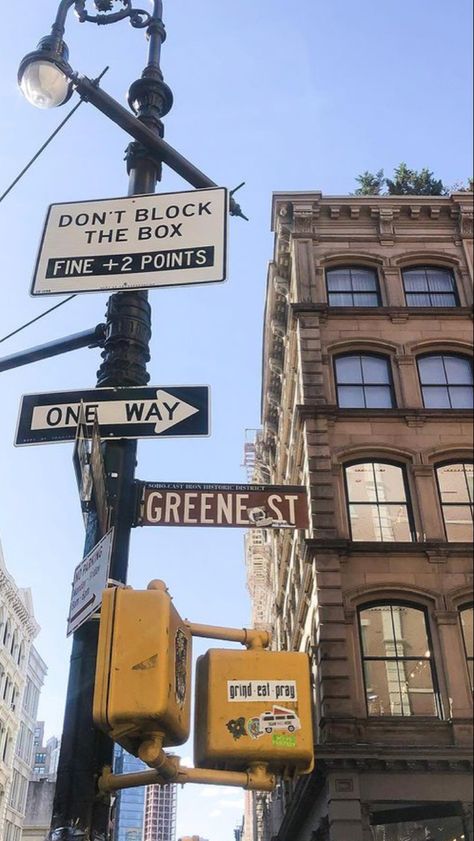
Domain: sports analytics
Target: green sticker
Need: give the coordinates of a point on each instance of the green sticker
(281, 740)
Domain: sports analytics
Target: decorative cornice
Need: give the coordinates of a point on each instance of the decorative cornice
(301, 308)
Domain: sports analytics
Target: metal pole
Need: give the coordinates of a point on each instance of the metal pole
(89, 338)
(80, 812)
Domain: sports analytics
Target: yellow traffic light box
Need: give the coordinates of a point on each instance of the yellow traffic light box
(143, 672)
(253, 706)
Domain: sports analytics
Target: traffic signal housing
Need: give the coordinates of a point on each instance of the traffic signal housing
(143, 671)
(254, 706)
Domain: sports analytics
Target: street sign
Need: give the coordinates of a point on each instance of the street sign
(90, 580)
(142, 412)
(90, 470)
(138, 242)
(249, 506)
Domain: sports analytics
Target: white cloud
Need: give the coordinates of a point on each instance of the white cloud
(210, 791)
(232, 804)
(215, 813)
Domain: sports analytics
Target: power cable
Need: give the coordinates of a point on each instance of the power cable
(14, 332)
(42, 148)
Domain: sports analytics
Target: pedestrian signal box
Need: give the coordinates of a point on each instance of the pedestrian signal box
(254, 706)
(143, 672)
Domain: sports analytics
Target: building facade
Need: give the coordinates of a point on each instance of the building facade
(160, 813)
(22, 673)
(366, 401)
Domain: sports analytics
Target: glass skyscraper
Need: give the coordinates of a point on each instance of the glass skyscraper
(129, 806)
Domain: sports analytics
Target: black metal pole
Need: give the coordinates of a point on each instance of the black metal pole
(88, 338)
(79, 813)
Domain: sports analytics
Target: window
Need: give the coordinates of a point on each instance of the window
(455, 483)
(377, 500)
(396, 654)
(466, 616)
(352, 287)
(446, 381)
(387, 828)
(429, 286)
(364, 381)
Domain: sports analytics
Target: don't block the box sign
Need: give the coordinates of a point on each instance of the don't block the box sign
(254, 706)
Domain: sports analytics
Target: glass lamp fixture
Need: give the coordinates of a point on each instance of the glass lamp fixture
(44, 75)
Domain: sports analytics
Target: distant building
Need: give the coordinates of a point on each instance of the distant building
(39, 808)
(130, 803)
(22, 673)
(45, 755)
(160, 813)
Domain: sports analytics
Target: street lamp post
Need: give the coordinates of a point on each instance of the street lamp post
(45, 78)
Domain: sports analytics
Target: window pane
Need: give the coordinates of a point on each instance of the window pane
(377, 631)
(348, 369)
(418, 299)
(436, 397)
(378, 397)
(390, 485)
(339, 280)
(340, 300)
(375, 370)
(461, 396)
(409, 627)
(458, 520)
(431, 369)
(438, 300)
(361, 483)
(425, 829)
(458, 370)
(394, 523)
(365, 524)
(440, 280)
(418, 687)
(468, 630)
(351, 397)
(365, 299)
(453, 482)
(363, 280)
(415, 281)
(383, 688)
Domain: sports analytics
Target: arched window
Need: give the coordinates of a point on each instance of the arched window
(446, 381)
(6, 633)
(455, 482)
(396, 655)
(378, 502)
(364, 381)
(352, 287)
(429, 286)
(466, 616)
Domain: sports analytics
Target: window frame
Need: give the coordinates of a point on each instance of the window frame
(437, 467)
(469, 658)
(350, 291)
(426, 268)
(447, 385)
(408, 499)
(393, 602)
(359, 353)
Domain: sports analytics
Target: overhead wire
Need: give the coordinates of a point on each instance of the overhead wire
(10, 188)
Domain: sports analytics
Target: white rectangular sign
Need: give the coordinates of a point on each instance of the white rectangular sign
(139, 242)
(90, 579)
(261, 690)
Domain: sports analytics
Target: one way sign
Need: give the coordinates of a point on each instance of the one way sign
(143, 412)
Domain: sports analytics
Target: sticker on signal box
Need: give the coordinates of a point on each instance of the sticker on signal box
(244, 691)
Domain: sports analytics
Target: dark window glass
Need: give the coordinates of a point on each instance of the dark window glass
(446, 381)
(456, 491)
(466, 614)
(364, 382)
(397, 661)
(422, 829)
(352, 287)
(377, 500)
(429, 287)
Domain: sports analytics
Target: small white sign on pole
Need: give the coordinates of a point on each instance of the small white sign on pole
(137, 242)
(90, 579)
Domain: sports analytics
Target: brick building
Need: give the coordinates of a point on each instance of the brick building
(366, 395)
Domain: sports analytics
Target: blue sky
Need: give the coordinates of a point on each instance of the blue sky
(295, 96)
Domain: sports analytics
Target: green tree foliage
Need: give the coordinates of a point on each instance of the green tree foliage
(405, 182)
(409, 182)
(370, 184)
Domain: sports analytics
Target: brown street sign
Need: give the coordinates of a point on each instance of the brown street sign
(199, 504)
